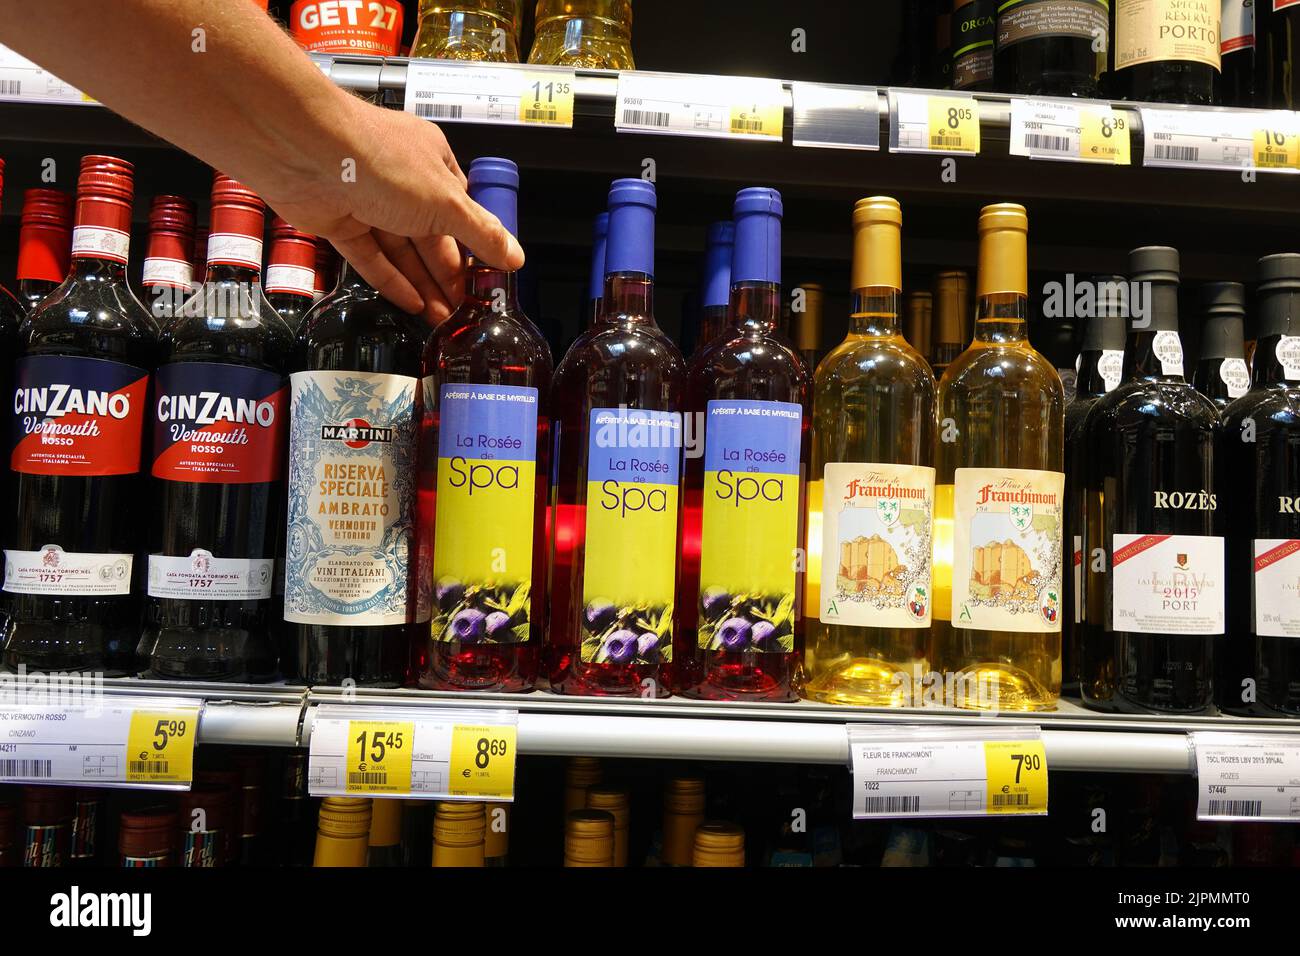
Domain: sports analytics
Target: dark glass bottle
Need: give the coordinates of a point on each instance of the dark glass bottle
(167, 276)
(219, 425)
(327, 269)
(1100, 366)
(1237, 51)
(596, 283)
(1151, 519)
(1277, 54)
(484, 476)
(618, 432)
(81, 385)
(44, 244)
(204, 816)
(739, 633)
(47, 826)
(1259, 664)
(290, 272)
(716, 287)
(1051, 47)
(147, 838)
(295, 823)
(350, 562)
(83, 842)
(1221, 374)
(1166, 51)
(974, 26)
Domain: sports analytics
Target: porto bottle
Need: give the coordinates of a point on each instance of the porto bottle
(487, 381)
(81, 383)
(1166, 51)
(1277, 54)
(220, 414)
(1237, 51)
(1221, 373)
(44, 244)
(1051, 47)
(974, 29)
(290, 272)
(167, 276)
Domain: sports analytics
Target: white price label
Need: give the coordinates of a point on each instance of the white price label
(1247, 776)
(721, 107)
(949, 772)
(502, 94)
(1212, 139)
(22, 81)
(147, 742)
(836, 117)
(410, 752)
(1074, 131)
(943, 123)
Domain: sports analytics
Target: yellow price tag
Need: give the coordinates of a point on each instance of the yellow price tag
(483, 762)
(160, 745)
(547, 99)
(1017, 776)
(1276, 149)
(954, 124)
(758, 119)
(1104, 134)
(379, 756)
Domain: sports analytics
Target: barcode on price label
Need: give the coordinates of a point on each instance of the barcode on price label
(1179, 154)
(721, 107)
(1247, 776)
(147, 766)
(34, 769)
(646, 118)
(1236, 808)
(11, 87)
(1046, 141)
(891, 805)
(439, 111)
(358, 779)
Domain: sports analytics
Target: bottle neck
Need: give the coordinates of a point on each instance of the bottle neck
(755, 306)
(229, 273)
(1142, 358)
(629, 296)
(1090, 383)
(351, 280)
(876, 311)
(491, 288)
(1266, 368)
(1002, 318)
(713, 322)
(92, 269)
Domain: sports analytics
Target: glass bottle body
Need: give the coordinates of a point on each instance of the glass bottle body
(1138, 69)
(477, 30)
(1036, 58)
(595, 34)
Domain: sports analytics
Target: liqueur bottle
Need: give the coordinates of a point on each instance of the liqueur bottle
(872, 453)
(79, 400)
(290, 272)
(1153, 581)
(487, 380)
(718, 844)
(47, 826)
(373, 28)
(1166, 51)
(44, 244)
(83, 845)
(1277, 54)
(458, 834)
(589, 838)
(740, 632)
(1237, 51)
(1100, 365)
(167, 276)
(1221, 373)
(806, 324)
(355, 412)
(385, 841)
(1051, 47)
(716, 288)
(594, 34)
(596, 285)
(615, 803)
(203, 819)
(618, 440)
(683, 814)
(343, 832)
(951, 318)
(147, 839)
(999, 496)
(219, 425)
(974, 30)
(1259, 663)
(919, 321)
(482, 30)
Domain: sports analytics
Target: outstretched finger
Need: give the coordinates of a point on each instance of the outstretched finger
(365, 255)
(479, 231)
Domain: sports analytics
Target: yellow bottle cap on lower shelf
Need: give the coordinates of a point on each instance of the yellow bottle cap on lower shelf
(386, 823)
(589, 838)
(719, 844)
(344, 817)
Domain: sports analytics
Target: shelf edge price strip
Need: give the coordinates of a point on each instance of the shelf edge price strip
(1252, 777)
(947, 772)
(23, 81)
(1222, 139)
(938, 123)
(413, 752)
(1076, 132)
(500, 94)
(146, 742)
(830, 116)
(714, 107)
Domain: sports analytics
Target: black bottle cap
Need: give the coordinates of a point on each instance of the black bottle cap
(1278, 306)
(1280, 271)
(1223, 298)
(1225, 314)
(1105, 331)
(1153, 264)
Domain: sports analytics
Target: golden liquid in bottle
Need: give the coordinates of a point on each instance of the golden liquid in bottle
(951, 318)
(1001, 405)
(480, 30)
(595, 34)
(920, 318)
(873, 403)
(805, 325)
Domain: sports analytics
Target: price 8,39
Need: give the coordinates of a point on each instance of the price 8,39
(379, 756)
(1104, 135)
(1017, 776)
(160, 746)
(483, 762)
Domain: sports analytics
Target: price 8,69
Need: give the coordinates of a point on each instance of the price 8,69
(160, 746)
(379, 756)
(483, 762)
(1017, 776)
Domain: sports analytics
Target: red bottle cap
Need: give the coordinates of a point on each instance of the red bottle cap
(238, 222)
(147, 833)
(107, 177)
(171, 244)
(291, 267)
(172, 214)
(327, 262)
(105, 190)
(45, 236)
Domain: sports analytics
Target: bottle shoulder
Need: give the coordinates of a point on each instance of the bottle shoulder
(1154, 401)
(769, 354)
(1003, 367)
(625, 344)
(867, 361)
(1278, 404)
(99, 319)
(472, 327)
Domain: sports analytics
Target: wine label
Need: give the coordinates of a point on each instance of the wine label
(77, 416)
(1167, 584)
(101, 242)
(1277, 587)
(202, 576)
(1077, 584)
(351, 497)
(484, 525)
(1238, 29)
(630, 565)
(1169, 350)
(750, 526)
(234, 249)
(1151, 31)
(1021, 20)
(974, 24)
(85, 826)
(282, 278)
(1007, 549)
(52, 570)
(339, 26)
(171, 273)
(1288, 354)
(1110, 366)
(203, 848)
(876, 544)
(1234, 374)
(216, 423)
(43, 845)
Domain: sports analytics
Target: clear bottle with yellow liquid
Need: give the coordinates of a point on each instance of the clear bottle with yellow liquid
(996, 639)
(919, 322)
(594, 34)
(480, 30)
(871, 490)
(951, 318)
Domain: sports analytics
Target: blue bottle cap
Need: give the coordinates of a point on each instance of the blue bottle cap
(494, 185)
(599, 234)
(631, 243)
(757, 257)
(717, 264)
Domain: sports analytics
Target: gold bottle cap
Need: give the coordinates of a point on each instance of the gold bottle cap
(458, 824)
(1004, 256)
(806, 326)
(613, 802)
(684, 795)
(919, 312)
(719, 844)
(582, 772)
(496, 842)
(385, 822)
(344, 817)
(952, 308)
(877, 243)
(589, 838)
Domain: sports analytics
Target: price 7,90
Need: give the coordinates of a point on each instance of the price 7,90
(165, 731)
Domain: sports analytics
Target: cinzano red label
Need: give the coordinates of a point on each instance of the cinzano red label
(77, 416)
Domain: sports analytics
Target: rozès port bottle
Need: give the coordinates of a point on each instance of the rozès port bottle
(1221, 373)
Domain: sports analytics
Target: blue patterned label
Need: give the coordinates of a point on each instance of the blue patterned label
(351, 498)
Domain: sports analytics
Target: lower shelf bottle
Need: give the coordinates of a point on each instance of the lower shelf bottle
(47, 826)
(589, 839)
(496, 835)
(615, 803)
(683, 814)
(1221, 373)
(718, 844)
(459, 830)
(147, 838)
(343, 832)
(385, 841)
(203, 820)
